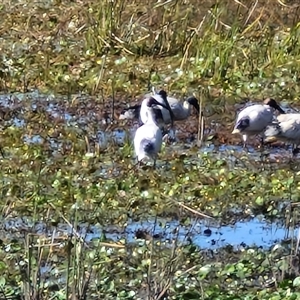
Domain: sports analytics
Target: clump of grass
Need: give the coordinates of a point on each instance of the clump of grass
(240, 48)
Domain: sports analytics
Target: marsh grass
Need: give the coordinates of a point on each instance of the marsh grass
(239, 48)
(153, 271)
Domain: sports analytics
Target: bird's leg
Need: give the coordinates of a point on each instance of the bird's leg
(138, 163)
(154, 164)
(262, 145)
(244, 142)
(295, 150)
(261, 141)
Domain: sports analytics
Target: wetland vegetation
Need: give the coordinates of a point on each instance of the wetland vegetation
(78, 220)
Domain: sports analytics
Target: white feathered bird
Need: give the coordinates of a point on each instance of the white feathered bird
(286, 130)
(129, 113)
(287, 117)
(180, 110)
(254, 119)
(148, 137)
(165, 109)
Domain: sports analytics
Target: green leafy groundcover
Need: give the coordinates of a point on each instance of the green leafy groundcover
(78, 188)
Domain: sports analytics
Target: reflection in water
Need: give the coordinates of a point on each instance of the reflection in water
(254, 232)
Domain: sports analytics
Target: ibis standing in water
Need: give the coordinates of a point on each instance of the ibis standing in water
(148, 137)
(287, 129)
(165, 109)
(181, 111)
(254, 119)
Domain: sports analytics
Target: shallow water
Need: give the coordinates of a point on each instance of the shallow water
(120, 136)
(124, 131)
(254, 232)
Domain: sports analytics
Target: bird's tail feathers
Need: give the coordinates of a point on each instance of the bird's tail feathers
(147, 145)
(272, 132)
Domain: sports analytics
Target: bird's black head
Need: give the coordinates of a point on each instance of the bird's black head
(272, 103)
(163, 94)
(151, 102)
(242, 124)
(193, 101)
(158, 114)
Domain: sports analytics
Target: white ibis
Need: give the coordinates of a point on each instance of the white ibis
(181, 111)
(254, 119)
(286, 130)
(148, 137)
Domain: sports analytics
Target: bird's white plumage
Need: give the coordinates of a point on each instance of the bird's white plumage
(181, 111)
(290, 130)
(254, 119)
(259, 117)
(287, 129)
(165, 113)
(148, 133)
(148, 137)
(287, 117)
